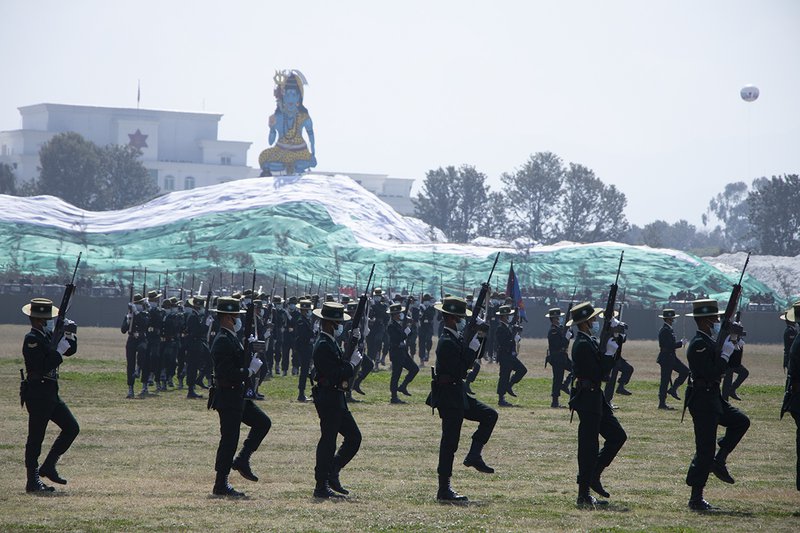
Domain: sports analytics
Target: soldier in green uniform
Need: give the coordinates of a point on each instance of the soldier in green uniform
(706, 405)
(399, 340)
(450, 397)
(558, 337)
(332, 375)
(668, 360)
(41, 394)
(793, 385)
(591, 363)
(135, 325)
(232, 366)
(506, 344)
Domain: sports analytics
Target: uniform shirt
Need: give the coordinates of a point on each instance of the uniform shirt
(707, 368)
(173, 324)
(378, 318)
(589, 366)
(398, 346)
(229, 359)
(794, 373)
(332, 373)
(155, 323)
(42, 361)
(427, 316)
(304, 334)
(414, 313)
(557, 344)
(137, 326)
(667, 344)
(789, 335)
(196, 328)
(452, 365)
(506, 345)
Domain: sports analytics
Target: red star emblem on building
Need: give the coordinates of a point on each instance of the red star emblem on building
(138, 139)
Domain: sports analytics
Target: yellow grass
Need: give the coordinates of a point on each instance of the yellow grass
(148, 464)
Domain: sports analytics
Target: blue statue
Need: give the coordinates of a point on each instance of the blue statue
(290, 154)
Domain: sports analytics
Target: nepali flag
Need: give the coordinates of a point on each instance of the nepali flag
(513, 291)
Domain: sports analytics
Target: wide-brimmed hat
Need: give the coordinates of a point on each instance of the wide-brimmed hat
(396, 308)
(228, 306)
(668, 313)
(351, 306)
(331, 311)
(793, 314)
(344, 299)
(305, 305)
(292, 300)
(469, 297)
(196, 301)
(453, 306)
(377, 291)
(40, 308)
(153, 295)
(138, 298)
(277, 299)
(237, 295)
(167, 304)
(553, 312)
(705, 307)
(329, 298)
(427, 297)
(581, 313)
(505, 310)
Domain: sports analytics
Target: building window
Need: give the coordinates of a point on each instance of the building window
(225, 160)
(188, 182)
(169, 183)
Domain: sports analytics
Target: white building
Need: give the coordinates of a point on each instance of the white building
(180, 149)
(394, 191)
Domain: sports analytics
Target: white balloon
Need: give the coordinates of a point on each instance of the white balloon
(749, 93)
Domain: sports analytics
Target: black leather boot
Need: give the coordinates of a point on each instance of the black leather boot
(446, 494)
(475, 460)
(48, 469)
(586, 500)
(335, 484)
(696, 501)
(719, 469)
(323, 490)
(596, 485)
(242, 465)
(34, 484)
(403, 389)
(223, 488)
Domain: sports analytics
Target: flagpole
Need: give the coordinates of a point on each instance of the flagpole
(138, 92)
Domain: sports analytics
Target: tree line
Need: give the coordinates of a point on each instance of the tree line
(547, 200)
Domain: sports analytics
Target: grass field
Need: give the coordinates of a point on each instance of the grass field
(148, 464)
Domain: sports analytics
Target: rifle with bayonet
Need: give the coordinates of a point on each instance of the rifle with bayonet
(620, 329)
(253, 346)
(61, 326)
(473, 326)
(353, 341)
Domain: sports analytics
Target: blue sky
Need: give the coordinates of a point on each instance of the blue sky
(644, 93)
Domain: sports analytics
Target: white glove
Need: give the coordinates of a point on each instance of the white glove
(209, 321)
(568, 335)
(684, 341)
(517, 338)
(728, 348)
(407, 331)
(316, 327)
(740, 344)
(267, 334)
(251, 339)
(614, 322)
(479, 321)
(63, 346)
(611, 347)
(128, 316)
(356, 333)
(255, 365)
(355, 358)
(475, 344)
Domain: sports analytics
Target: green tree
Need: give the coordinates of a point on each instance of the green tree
(8, 181)
(122, 179)
(773, 215)
(591, 211)
(532, 195)
(452, 199)
(93, 178)
(494, 223)
(730, 207)
(69, 169)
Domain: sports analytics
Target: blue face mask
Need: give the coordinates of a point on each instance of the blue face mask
(237, 325)
(716, 328)
(461, 324)
(339, 330)
(596, 328)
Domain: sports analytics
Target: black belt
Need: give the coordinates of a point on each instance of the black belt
(705, 384)
(586, 384)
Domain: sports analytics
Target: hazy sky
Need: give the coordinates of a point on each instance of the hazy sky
(646, 93)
